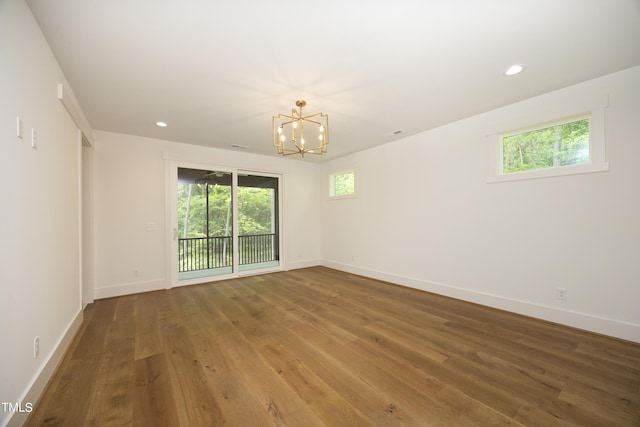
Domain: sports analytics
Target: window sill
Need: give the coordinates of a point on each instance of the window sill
(550, 172)
(346, 196)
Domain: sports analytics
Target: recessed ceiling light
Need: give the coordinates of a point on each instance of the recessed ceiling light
(161, 124)
(514, 69)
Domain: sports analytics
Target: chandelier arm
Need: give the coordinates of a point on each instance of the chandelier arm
(313, 115)
(289, 122)
(312, 121)
(281, 115)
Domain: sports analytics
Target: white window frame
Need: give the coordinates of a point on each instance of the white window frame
(593, 109)
(332, 184)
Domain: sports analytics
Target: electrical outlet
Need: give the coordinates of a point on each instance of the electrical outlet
(36, 347)
(561, 294)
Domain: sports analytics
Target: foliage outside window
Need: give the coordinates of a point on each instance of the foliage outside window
(342, 183)
(254, 210)
(562, 144)
(192, 210)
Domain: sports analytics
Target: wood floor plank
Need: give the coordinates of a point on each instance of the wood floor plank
(67, 403)
(167, 312)
(532, 416)
(149, 339)
(619, 356)
(192, 392)
(571, 364)
(413, 350)
(320, 347)
(330, 407)
(112, 400)
(372, 404)
(313, 314)
(610, 407)
(153, 402)
(211, 334)
(125, 310)
(95, 332)
(471, 411)
(281, 403)
(251, 313)
(425, 409)
(289, 361)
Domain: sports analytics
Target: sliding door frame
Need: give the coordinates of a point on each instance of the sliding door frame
(171, 266)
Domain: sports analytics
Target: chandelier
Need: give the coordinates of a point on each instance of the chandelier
(298, 134)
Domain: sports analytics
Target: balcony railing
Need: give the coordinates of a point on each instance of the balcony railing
(203, 253)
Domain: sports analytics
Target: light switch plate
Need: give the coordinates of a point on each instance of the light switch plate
(19, 128)
(34, 139)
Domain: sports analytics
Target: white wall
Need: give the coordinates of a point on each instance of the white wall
(425, 216)
(39, 217)
(129, 191)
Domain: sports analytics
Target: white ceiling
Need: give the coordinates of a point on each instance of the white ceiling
(217, 71)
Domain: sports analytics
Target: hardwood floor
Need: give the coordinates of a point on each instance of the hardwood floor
(318, 347)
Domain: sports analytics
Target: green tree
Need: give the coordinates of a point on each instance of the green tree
(561, 145)
(192, 207)
(255, 207)
(344, 183)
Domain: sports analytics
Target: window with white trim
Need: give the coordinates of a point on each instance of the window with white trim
(563, 143)
(566, 146)
(342, 184)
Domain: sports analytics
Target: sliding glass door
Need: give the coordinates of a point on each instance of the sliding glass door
(226, 222)
(205, 223)
(258, 235)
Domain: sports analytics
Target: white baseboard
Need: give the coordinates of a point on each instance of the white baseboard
(160, 284)
(605, 326)
(295, 265)
(130, 288)
(42, 377)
